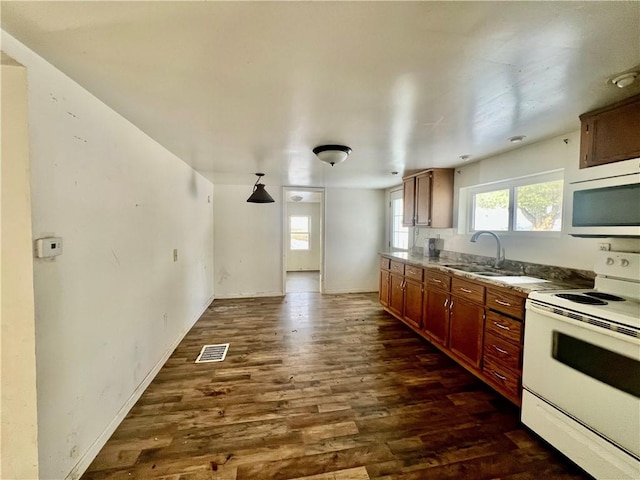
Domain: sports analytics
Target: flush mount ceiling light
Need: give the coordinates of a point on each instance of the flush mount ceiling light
(332, 154)
(465, 158)
(296, 198)
(259, 194)
(625, 79)
(517, 139)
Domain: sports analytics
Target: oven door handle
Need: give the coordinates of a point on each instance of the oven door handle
(602, 326)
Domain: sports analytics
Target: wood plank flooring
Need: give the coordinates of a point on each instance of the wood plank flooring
(320, 387)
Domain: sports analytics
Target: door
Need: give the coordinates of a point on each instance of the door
(396, 294)
(413, 303)
(408, 198)
(303, 234)
(466, 328)
(435, 321)
(423, 199)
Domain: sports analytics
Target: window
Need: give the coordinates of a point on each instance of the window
(527, 204)
(399, 238)
(299, 232)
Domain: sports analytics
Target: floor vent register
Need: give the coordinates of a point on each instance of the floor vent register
(213, 353)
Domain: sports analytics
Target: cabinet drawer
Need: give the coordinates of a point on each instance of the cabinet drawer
(504, 327)
(468, 290)
(502, 352)
(437, 279)
(502, 377)
(385, 263)
(397, 267)
(505, 302)
(415, 273)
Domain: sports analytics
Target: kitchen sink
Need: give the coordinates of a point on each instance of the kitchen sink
(481, 270)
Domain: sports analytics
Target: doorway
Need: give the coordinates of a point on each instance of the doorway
(303, 246)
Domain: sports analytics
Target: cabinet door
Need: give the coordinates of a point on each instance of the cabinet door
(396, 294)
(413, 302)
(435, 321)
(466, 329)
(408, 199)
(442, 199)
(423, 199)
(610, 134)
(384, 287)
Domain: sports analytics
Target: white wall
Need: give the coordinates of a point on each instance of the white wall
(18, 413)
(248, 239)
(354, 226)
(248, 236)
(111, 309)
(560, 250)
(300, 260)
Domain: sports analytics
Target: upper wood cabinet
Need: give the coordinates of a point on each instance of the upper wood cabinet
(408, 201)
(610, 134)
(428, 198)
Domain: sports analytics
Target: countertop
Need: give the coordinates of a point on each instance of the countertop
(526, 287)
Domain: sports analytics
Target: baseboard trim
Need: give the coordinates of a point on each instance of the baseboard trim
(348, 290)
(88, 457)
(249, 295)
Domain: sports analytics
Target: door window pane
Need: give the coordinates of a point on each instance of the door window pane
(399, 234)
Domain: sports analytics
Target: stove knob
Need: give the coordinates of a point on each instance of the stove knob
(624, 262)
(610, 261)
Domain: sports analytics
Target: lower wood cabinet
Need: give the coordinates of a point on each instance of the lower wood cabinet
(413, 302)
(384, 288)
(476, 324)
(466, 329)
(396, 294)
(435, 321)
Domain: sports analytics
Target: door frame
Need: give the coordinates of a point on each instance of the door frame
(285, 231)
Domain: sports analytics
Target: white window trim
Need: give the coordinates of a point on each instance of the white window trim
(465, 218)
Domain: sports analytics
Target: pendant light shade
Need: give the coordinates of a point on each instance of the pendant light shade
(332, 154)
(259, 194)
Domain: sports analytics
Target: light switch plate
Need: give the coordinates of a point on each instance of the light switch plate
(48, 247)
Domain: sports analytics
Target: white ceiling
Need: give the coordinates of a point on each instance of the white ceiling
(235, 88)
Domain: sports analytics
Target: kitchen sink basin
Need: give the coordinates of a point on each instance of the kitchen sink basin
(481, 270)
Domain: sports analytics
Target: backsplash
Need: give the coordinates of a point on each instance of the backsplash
(581, 278)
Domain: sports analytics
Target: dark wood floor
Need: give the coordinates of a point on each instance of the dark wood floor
(320, 387)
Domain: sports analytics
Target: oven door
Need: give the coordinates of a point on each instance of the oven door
(588, 372)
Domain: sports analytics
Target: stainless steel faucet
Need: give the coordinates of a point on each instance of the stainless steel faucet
(500, 253)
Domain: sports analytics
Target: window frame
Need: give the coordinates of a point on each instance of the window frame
(307, 232)
(468, 194)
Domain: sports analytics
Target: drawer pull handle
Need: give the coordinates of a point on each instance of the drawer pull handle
(435, 280)
(499, 325)
(504, 352)
(501, 377)
(466, 290)
(506, 304)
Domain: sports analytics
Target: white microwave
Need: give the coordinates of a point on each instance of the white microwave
(607, 206)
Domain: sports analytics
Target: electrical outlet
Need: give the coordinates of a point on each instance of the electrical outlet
(604, 247)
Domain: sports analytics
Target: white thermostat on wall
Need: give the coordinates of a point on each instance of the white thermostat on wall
(48, 247)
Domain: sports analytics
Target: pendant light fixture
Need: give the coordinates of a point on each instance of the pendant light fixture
(332, 154)
(259, 194)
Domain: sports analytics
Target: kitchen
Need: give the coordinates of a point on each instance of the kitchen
(157, 192)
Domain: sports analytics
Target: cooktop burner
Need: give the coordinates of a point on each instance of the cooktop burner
(581, 299)
(605, 296)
